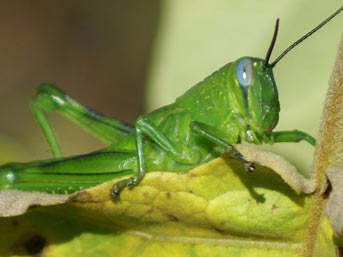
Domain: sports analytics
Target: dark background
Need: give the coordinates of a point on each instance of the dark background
(97, 51)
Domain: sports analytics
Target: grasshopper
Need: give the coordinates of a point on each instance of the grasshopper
(239, 102)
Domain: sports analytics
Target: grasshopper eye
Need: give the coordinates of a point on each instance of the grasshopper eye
(244, 72)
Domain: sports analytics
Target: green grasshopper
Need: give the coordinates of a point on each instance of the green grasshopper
(239, 102)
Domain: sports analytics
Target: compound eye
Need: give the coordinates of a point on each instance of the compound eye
(244, 72)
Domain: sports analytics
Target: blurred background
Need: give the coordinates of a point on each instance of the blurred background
(124, 58)
(96, 51)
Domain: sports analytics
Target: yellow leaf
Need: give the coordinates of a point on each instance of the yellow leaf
(217, 208)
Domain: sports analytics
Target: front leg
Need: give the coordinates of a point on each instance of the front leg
(292, 136)
(215, 136)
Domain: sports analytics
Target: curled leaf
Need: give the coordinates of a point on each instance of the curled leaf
(334, 206)
(330, 154)
(329, 148)
(14, 202)
(279, 165)
(328, 160)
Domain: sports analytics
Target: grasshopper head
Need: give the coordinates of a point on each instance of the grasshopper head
(255, 89)
(256, 94)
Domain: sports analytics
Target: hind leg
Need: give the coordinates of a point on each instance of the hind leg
(49, 98)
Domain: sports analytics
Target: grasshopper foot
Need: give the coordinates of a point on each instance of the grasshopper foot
(118, 187)
(130, 182)
(249, 166)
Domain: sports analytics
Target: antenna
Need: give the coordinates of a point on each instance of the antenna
(304, 37)
(269, 53)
